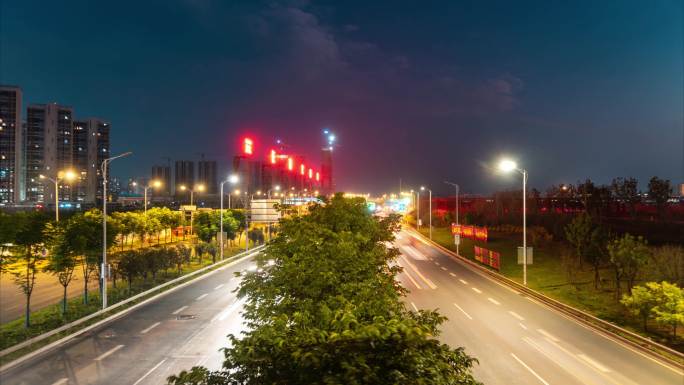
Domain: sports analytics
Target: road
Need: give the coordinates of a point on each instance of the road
(516, 339)
(47, 291)
(184, 328)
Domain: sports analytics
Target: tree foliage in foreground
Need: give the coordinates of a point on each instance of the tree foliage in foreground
(325, 309)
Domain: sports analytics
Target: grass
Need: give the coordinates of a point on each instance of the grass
(50, 317)
(548, 276)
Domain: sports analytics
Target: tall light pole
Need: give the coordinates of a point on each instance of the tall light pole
(456, 186)
(153, 184)
(429, 207)
(62, 175)
(232, 180)
(103, 269)
(507, 165)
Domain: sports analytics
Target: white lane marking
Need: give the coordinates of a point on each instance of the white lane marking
(463, 281)
(522, 326)
(218, 287)
(154, 325)
(443, 268)
(516, 315)
(492, 300)
(108, 353)
(149, 372)
(421, 276)
(180, 310)
(452, 274)
(201, 297)
(529, 369)
(593, 363)
(409, 276)
(63, 381)
(414, 306)
(463, 311)
(478, 291)
(436, 263)
(548, 335)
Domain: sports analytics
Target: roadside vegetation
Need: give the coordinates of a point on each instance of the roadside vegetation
(582, 259)
(145, 250)
(324, 308)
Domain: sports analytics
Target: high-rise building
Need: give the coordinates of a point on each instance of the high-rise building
(12, 188)
(184, 175)
(327, 185)
(163, 174)
(90, 149)
(206, 174)
(49, 141)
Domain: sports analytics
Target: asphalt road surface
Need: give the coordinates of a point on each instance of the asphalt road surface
(516, 339)
(180, 330)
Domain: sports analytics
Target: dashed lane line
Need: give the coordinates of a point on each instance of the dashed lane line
(478, 291)
(180, 310)
(201, 297)
(516, 315)
(109, 353)
(154, 325)
(492, 300)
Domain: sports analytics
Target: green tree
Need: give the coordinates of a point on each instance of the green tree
(628, 254)
(597, 252)
(659, 190)
(62, 259)
(668, 263)
(130, 265)
(578, 233)
(642, 301)
(28, 254)
(8, 232)
(324, 308)
(626, 191)
(670, 306)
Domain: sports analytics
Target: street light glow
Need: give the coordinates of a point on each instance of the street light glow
(507, 165)
(182, 187)
(156, 183)
(233, 179)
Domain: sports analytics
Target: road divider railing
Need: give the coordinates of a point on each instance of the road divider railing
(643, 344)
(117, 314)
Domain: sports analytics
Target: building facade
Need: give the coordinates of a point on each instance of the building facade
(12, 171)
(90, 148)
(184, 175)
(206, 174)
(163, 174)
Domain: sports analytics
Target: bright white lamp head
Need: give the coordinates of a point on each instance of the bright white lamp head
(507, 165)
(233, 179)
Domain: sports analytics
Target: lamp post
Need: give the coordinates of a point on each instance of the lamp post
(103, 269)
(153, 184)
(198, 188)
(62, 175)
(507, 165)
(429, 207)
(232, 179)
(457, 187)
(276, 188)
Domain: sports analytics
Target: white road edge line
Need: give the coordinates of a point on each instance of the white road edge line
(218, 287)
(593, 363)
(180, 310)
(548, 335)
(414, 306)
(409, 276)
(61, 382)
(529, 369)
(463, 281)
(154, 325)
(149, 372)
(516, 315)
(452, 274)
(201, 297)
(492, 300)
(108, 353)
(478, 291)
(421, 276)
(463, 311)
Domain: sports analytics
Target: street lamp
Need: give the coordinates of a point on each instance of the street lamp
(429, 207)
(103, 270)
(153, 184)
(276, 188)
(458, 188)
(507, 165)
(198, 188)
(67, 175)
(232, 180)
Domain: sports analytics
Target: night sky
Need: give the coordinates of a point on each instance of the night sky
(424, 93)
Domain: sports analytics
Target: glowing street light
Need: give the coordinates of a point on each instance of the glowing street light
(507, 165)
(67, 175)
(153, 184)
(276, 188)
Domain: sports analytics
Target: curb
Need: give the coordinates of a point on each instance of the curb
(17, 362)
(652, 349)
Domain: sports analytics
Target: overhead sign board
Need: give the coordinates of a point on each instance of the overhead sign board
(264, 211)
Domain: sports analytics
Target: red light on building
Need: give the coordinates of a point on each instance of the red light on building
(302, 169)
(290, 164)
(310, 173)
(318, 177)
(273, 157)
(248, 146)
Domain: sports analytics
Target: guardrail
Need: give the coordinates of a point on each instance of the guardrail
(645, 345)
(99, 313)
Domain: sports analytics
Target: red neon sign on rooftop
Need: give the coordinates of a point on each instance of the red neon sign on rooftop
(248, 146)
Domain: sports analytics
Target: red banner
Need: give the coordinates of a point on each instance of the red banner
(488, 257)
(472, 232)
